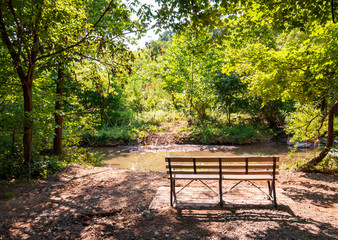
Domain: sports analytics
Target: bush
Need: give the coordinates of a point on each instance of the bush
(328, 165)
(143, 124)
(110, 135)
(43, 165)
(237, 134)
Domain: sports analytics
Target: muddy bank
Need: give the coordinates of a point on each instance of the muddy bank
(168, 148)
(190, 148)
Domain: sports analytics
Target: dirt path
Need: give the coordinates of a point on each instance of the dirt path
(104, 203)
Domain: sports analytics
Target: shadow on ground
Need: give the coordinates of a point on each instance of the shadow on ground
(102, 203)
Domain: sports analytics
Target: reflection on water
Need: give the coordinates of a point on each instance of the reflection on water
(128, 158)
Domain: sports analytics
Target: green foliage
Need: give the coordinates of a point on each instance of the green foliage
(9, 166)
(185, 73)
(247, 60)
(236, 134)
(301, 66)
(230, 93)
(48, 164)
(44, 165)
(158, 118)
(205, 14)
(110, 135)
(41, 36)
(139, 126)
(9, 195)
(328, 165)
(305, 114)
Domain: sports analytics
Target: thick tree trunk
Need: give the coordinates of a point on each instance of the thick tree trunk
(330, 137)
(26, 82)
(28, 123)
(57, 145)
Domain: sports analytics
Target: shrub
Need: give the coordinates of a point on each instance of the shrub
(43, 165)
(328, 165)
(223, 134)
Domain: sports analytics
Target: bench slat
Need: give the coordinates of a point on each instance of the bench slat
(216, 177)
(268, 172)
(224, 166)
(196, 176)
(224, 159)
(247, 177)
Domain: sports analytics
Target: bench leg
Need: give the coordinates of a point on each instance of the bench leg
(270, 190)
(172, 192)
(274, 194)
(220, 193)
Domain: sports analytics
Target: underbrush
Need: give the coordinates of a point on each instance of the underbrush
(43, 165)
(104, 136)
(328, 165)
(140, 126)
(224, 134)
(200, 132)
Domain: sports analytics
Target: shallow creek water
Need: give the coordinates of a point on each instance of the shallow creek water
(151, 158)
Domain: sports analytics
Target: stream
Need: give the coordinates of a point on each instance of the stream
(151, 158)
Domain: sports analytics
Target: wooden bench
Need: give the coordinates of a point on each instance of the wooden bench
(221, 168)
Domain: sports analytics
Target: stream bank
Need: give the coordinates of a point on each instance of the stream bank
(151, 157)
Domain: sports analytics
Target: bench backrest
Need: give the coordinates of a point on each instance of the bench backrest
(229, 165)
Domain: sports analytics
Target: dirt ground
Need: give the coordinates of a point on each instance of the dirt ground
(104, 203)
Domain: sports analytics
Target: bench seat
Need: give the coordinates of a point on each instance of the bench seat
(216, 177)
(222, 168)
(195, 176)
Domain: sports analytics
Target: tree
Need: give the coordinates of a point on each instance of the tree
(35, 31)
(184, 79)
(57, 143)
(230, 91)
(300, 66)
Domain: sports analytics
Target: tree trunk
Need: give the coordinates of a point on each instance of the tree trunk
(174, 101)
(101, 115)
(330, 137)
(57, 145)
(28, 124)
(229, 117)
(13, 142)
(26, 79)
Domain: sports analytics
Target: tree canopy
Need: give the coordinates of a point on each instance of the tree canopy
(67, 73)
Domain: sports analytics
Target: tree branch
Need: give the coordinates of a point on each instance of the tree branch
(83, 39)
(85, 111)
(10, 47)
(322, 121)
(99, 61)
(309, 123)
(1, 103)
(21, 39)
(15, 18)
(35, 47)
(332, 11)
